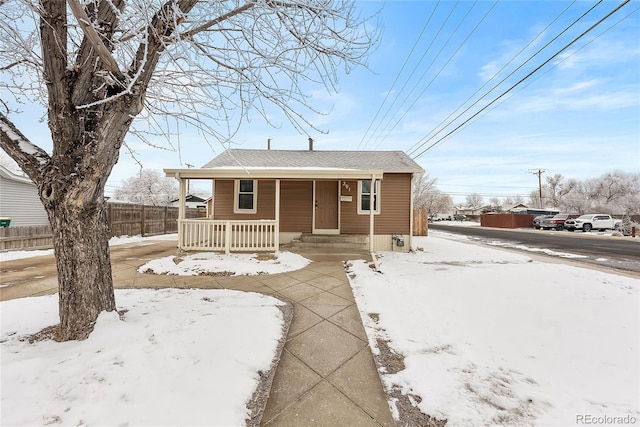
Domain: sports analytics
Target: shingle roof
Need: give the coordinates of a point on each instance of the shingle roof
(390, 161)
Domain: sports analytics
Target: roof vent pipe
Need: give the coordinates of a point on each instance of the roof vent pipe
(269, 144)
(310, 144)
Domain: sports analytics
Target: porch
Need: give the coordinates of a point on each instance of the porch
(226, 235)
(257, 204)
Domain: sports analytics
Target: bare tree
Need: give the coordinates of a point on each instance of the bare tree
(474, 200)
(428, 196)
(205, 63)
(495, 204)
(615, 192)
(512, 200)
(556, 189)
(150, 187)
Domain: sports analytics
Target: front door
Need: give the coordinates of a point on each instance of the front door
(326, 207)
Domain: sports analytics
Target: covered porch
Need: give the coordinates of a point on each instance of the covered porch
(313, 202)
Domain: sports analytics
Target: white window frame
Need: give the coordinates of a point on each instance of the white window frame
(376, 197)
(236, 197)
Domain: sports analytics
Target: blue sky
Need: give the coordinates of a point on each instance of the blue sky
(578, 116)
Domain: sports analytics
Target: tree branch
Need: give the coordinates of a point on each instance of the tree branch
(93, 36)
(29, 156)
(209, 24)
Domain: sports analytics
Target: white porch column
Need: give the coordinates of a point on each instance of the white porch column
(372, 198)
(182, 196)
(212, 214)
(277, 236)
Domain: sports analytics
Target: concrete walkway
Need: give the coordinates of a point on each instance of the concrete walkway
(326, 376)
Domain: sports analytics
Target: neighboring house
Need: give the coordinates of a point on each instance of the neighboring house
(263, 198)
(472, 212)
(191, 201)
(19, 200)
(511, 208)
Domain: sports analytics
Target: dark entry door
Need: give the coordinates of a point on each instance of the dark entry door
(326, 205)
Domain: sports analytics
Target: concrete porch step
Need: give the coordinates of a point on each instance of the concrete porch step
(334, 238)
(341, 241)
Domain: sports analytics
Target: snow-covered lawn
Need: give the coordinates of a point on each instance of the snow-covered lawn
(175, 357)
(492, 337)
(221, 264)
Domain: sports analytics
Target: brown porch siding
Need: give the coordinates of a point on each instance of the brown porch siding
(224, 201)
(296, 206)
(395, 207)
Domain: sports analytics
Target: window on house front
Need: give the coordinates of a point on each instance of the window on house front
(368, 197)
(245, 196)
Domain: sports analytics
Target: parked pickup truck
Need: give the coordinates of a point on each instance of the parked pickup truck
(589, 222)
(557, 221)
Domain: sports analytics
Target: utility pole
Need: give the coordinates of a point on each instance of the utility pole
(189, 181)
(539, 172)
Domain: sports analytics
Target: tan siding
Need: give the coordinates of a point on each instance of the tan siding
(296, 206)
(224, 201)
(395, 205)
(350, 221)
(395, 199)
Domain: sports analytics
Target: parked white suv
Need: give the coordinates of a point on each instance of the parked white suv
(589, 222)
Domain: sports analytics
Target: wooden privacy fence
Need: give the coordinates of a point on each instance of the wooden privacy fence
(506, 220)
(420, 222)
(124, 220)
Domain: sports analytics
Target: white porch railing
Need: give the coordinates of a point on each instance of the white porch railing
(227, 236)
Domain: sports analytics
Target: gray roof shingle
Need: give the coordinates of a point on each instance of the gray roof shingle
(395, 161)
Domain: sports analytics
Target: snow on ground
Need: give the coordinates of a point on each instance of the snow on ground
(229, 264)
(492, 337)
(114, 241)
(459, 223)
(178, 357)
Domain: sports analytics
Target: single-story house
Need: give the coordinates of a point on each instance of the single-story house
(191, 201)
(19, 200)
(264, 198)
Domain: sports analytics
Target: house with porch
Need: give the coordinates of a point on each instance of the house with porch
(264, 198)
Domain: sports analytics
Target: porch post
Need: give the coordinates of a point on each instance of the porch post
(182, 197)
(212, 213)
(371, 212)
(277, 231)
(181, 211)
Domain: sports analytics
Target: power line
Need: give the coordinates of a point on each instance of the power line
(442, 68)
(428, 138)
(493, 77)
(415, 68)
(406, 61)
(520, 81)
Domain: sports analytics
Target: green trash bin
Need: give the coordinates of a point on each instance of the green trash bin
(5, 222)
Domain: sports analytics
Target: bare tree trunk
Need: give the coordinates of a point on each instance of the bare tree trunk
(81, 243)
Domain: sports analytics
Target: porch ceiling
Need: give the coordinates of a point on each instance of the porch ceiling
(271, 173)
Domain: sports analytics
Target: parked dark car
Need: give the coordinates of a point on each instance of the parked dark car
(536, 220)
(557, 221)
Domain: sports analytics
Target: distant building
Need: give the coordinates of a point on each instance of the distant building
(192, 202)
(19, 200)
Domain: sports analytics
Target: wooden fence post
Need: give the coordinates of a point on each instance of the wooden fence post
(166, 214)
(142, 221)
